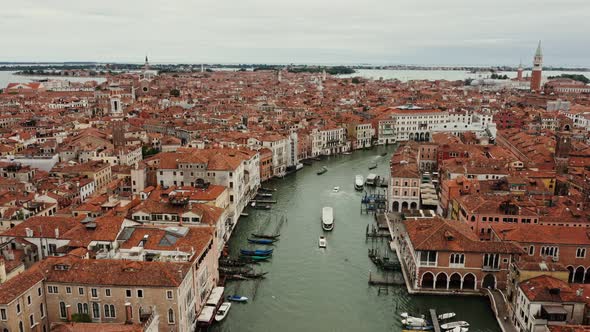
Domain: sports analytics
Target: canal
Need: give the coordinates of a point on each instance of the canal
(312, 289)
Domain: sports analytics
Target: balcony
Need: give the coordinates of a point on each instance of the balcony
(488, 268)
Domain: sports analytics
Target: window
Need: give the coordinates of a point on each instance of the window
(95, 310)
(531, 250)
(39, 291)
(580, 252)
(109, 311)
(62, 310)
(170, 316)
(18, 308)
(81, 291)
(94, 292)
(107, 292)
(128, 293)
(52, 290)
(21, 328)
(169, 295)
(68, 290)
(29, 299)
(457, 259)
(3, 314)
(32, 320)
(140, 293)
(491, 261)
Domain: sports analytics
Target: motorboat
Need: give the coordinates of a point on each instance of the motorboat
(460, 329)
(371, 179)
(346, 153)
(373, 166)
(336, 189)
(222, 311)
(260, 206)
(327, 218)
(446, 315)
(415, 321)
(322, 242)
(237, 298)
(322, 170)
(453, 325)
(359, 182)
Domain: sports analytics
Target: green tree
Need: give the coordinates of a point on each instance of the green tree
(81, 318)
(356, 80)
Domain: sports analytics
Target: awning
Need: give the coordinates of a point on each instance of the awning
(206, 315)
(215, 296)
(554, 310)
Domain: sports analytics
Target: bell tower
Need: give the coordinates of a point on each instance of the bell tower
(537, 73)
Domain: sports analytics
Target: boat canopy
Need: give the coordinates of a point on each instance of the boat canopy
(215, 296)
(206, 315)
(371, 177)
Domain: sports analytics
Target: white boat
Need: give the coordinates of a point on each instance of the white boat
(359, 182)
(336, 189)
(460, 329)
(298, 166)
(454, 325)
(446, 315)
(327, 218)
(222, 311)
(415, 322)
(322, 242)
(346, 153)
(371, 179)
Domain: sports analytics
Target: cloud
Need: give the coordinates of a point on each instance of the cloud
(283, 31)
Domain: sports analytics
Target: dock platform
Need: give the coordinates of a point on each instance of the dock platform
(435, 322)
(384, 281)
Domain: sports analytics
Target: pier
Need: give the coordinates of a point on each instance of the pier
(434, 319)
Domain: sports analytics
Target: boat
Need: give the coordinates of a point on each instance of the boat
(257, 252)
(346, 153)
(266, 189)
(222, 311)
(266, 236)
(307, 162)
(262, 241)
(415, 322)
(359, 182)
(298, 166)
(459, 329)
(264, 195)
(336, 189)
(373, 166)
(322, 242)
(322, 170)
(327, 218)
(384, 154)
(419, 328)
(454, 325)
(234, 269)
(447, 315)
(237, 298)
(253, 259)
(226, 262)
(260, 206)
(371, 179)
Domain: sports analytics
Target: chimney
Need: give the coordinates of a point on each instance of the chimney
(128, 313)
(57, 233)
(69, 312)
(29, 232)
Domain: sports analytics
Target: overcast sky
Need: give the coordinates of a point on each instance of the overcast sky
(446, 32)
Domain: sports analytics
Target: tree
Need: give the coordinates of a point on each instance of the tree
(81, 318)
(355, 80)
(175, 93)
(575, 77)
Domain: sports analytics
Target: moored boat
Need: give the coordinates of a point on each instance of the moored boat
(327, 218)
(371, 179)
(257, 252)
(253, 259)
(454, 325)
(260, 206)
(222, 311)
(262, 241)
(384, 154)
(237, 298)
(266, 236)
(322, 170)
(373, 166)
(447, 315)
(359, 182)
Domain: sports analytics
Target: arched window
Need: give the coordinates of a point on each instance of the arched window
(80, 310)
(170, 316)
(95, 310)
(21, 328)
(62, 310)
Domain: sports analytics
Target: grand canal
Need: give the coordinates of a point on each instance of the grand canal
(312, 289)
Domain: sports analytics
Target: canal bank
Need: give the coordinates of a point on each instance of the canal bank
(314, 289)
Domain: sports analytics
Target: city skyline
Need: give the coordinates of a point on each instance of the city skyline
(379, 33)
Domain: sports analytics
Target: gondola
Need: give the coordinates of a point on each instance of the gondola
(249, 258)
(255, 275)
(235, 270)
(262, 241)
(257, 252)
(266, 236)
(231, 263)
(237, 298)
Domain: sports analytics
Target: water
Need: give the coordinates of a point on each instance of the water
(312, 289)
(9, 77)
(451, 75)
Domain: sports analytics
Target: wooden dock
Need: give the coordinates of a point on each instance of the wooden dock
(384, 281)
(435, 322)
